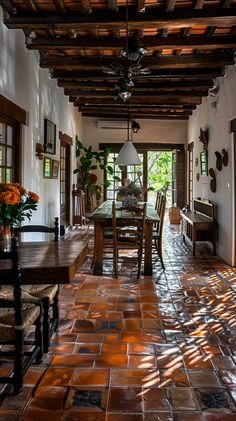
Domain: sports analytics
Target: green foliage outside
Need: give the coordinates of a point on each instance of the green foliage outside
(89, 161)
(159, 170)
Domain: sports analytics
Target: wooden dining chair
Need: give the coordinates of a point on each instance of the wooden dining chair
(16, 320)
(128, 232)
(157, 231)
(48, 294)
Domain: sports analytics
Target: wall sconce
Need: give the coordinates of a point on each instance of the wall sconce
(39, 150)
(135, 126)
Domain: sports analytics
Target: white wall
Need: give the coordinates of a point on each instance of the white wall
(23, 82)
(217, 121)
(154, 131)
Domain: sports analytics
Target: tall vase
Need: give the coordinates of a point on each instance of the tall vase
(5, 237)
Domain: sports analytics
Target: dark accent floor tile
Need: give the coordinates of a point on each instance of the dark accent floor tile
(213, 399)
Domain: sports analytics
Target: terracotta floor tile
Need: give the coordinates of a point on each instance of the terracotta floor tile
(182, 399)
(158, 348)
(90, 377)
(117, 349)
(139, 377)
(41, 415)
(87, 348)
(111, 360)
(206, 378)
(125, 400)
(73, 360)
(126, 417)
(142, 361)
(155, 399)
(57, 376)
(188, 416)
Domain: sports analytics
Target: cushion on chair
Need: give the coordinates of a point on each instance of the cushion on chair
(41, 291)
(7, 320)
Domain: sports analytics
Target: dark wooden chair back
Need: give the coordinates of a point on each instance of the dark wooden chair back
(40, 228)
(128, 232)
(16, 318)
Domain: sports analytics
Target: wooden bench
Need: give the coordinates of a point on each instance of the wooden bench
(199, 224)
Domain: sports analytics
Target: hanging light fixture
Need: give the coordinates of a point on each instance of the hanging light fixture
(128, 154)
(132, 52)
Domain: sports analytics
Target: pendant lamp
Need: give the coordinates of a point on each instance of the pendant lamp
(128, 154)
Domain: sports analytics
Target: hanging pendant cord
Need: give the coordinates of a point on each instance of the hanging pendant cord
(128, 120)
(127, 27)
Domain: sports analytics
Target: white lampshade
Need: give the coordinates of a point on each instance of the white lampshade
(128, 155)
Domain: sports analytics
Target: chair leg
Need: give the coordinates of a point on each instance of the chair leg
(46, 324)
(159, 251)
(55, 310)
(39, 338)
(18, 362)
(139, 262)
(115, 263)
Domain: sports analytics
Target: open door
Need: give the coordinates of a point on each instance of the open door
(178, 178)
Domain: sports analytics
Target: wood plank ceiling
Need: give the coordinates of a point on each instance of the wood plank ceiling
(188, 44)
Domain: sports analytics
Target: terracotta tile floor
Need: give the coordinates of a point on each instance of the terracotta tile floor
(159, 348)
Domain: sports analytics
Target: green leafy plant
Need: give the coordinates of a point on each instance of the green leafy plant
(129, 190)
(89, 161)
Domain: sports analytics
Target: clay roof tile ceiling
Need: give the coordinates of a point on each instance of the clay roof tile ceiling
(188, 44)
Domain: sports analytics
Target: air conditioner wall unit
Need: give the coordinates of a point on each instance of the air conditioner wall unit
(112, 124)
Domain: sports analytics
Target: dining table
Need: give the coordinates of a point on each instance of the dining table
(48, 262)
(102, 218)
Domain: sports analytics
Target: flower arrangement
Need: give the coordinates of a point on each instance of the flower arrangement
(16, 203)
(130, 190)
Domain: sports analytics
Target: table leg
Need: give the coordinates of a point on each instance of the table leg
(194, 240)
(148, 250)
(98, 248)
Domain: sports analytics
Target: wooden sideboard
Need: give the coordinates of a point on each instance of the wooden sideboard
(199, 224)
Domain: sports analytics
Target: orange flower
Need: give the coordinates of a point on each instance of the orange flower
(21, 189)
(33, 196)
(9, 198)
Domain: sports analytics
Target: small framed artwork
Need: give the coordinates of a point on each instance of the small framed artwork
(47, 168)
(203, 162)
(55, 168)
(49, 137)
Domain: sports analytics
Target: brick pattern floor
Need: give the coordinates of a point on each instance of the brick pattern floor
(158, 348)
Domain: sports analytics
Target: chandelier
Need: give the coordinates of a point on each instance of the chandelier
(132, 54)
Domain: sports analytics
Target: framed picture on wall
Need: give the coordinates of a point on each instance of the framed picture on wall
(47, 168)
(49, 137)
(55, 168)
(203, 162)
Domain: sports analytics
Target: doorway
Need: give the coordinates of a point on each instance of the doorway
(65, 181)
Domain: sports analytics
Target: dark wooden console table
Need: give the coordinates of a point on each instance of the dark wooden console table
(199, 224)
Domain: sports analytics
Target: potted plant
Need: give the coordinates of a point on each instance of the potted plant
(89, 161)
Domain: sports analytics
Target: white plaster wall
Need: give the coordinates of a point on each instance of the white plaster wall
(217, 121)
(154, 131)
(23, 82)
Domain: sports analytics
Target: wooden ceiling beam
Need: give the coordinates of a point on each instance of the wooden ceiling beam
(145, 86)
(134, 107)
(138, 95)
(179, 18)
(160, 74)
(150, 117)
(97, 63)
(106, 43)
(114, 113)
(155, 100)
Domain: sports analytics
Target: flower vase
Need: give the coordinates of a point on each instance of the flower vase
(5, 237)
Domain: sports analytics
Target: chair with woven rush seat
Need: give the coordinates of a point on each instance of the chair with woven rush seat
(16, 319)
(48, 294)
(129, 233)
(157, 231)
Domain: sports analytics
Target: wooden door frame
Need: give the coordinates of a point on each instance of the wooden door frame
(12, 113)
(233, 146)
(66, 141)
